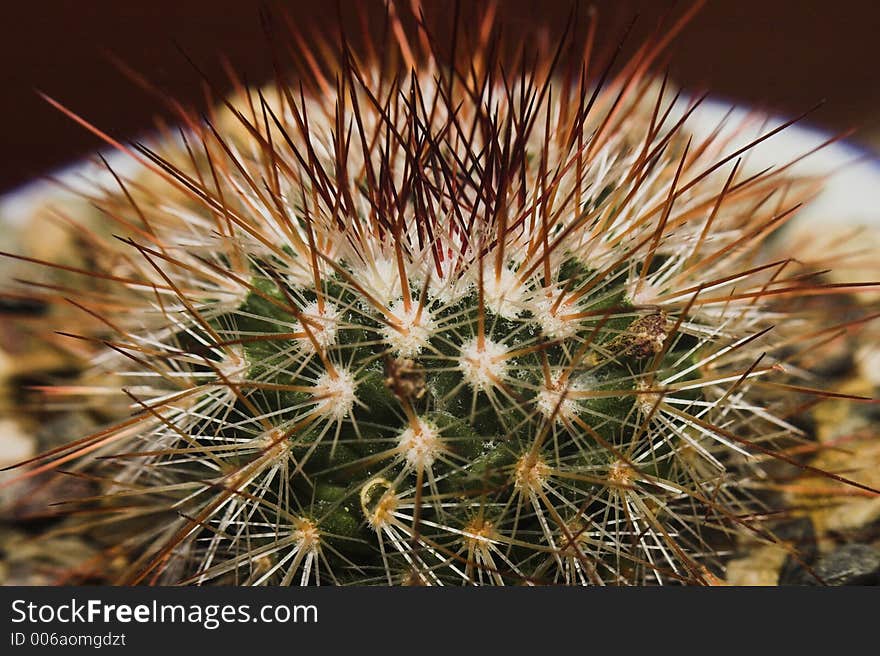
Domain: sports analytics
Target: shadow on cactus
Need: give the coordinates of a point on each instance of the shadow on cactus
(433, 319)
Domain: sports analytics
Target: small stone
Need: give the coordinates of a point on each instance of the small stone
(30, 560)
(760, 567)
(851, 564)
(15, 444)
(868, 361)
(800, 534)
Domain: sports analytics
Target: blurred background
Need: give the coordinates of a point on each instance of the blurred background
(780, 55)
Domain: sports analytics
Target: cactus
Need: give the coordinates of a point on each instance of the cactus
(438, 322)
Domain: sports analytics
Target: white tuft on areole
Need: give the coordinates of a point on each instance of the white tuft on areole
(503, 294)
(413, 331)
(555, 400)
(646, 399)
(421, 445)
(381, 279)
(554, 317)
(323, 324)
(335, 395)
(483, 366)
